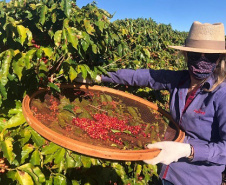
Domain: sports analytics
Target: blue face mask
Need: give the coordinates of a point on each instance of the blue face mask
(201, 68)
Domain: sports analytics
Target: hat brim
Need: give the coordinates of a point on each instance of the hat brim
(198, 50)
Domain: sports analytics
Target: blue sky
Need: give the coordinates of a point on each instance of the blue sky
(179, 13)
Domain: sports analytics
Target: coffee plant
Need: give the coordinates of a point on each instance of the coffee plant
(44, 43)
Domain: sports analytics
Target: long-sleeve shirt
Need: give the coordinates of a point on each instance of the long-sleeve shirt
(202, 115)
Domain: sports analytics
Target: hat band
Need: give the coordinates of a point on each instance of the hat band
(205, 44)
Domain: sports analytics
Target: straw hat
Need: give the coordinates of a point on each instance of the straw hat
(204, 38)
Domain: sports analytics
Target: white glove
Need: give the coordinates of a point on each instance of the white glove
(88, 80)
(170, 152)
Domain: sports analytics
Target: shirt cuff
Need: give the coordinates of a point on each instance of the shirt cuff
(105, 78)
(201, 152)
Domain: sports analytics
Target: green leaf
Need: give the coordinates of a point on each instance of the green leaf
(48, 51)
(22, 33)
(75, 182)
(87, 69)
(119, 169)
(66, 23)
(53, 7)
(102, 70)
(59, 156)
(153, 169)
(0, 99)
(106, 13)
(33, 6)
(69, 108)
(61, 165)
(7, 149)
(108, 98)
(18, 66)
(72, 73)
(39, 53)
(59, 180)
(89, 27)
(95, 161)
(100, 25)
(53, 87)
(38, 140)
(25, 136)
(11, 175)
(115, 131)
(102, 98)
(48, 159)
(43, 13)
(28, 169)
(26, 150)
(67, 7)
(29, 15)
(29, 36)
(2, 123)
(15, 121)
(83, 70)
(94, 48)
(132, 111)
(70, 162)
(71, 36)
(36, 174)
(35, 158)
(127, 132)
(77, 159)
(120, 50)
(51, 33)
(50, 149)
(43, 67)
(86, 161)
(138, 170)
(4, 70)
(85, 45)
(57, 37)
(49, 181)
(147, 53)
(54, 17)
(3, 92)
(28, 57)
(64, 101)
(24, 178)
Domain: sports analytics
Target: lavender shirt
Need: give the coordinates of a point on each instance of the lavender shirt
(204, 122)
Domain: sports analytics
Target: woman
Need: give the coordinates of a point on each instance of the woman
(197, 104)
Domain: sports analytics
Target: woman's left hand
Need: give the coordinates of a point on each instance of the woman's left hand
(170, 152)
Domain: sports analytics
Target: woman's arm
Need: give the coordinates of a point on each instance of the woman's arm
(156, 79)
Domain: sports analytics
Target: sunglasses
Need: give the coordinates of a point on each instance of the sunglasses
(212, 57)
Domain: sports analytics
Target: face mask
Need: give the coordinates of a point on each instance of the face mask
(201, 68)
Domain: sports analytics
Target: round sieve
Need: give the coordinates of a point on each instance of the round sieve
(88, 146)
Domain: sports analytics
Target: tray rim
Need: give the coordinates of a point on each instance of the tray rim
(89, 149)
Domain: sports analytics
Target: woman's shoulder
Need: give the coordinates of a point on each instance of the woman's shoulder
(222, 87)
(220, 91)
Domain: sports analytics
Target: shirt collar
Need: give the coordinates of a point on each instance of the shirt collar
(208, 83)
